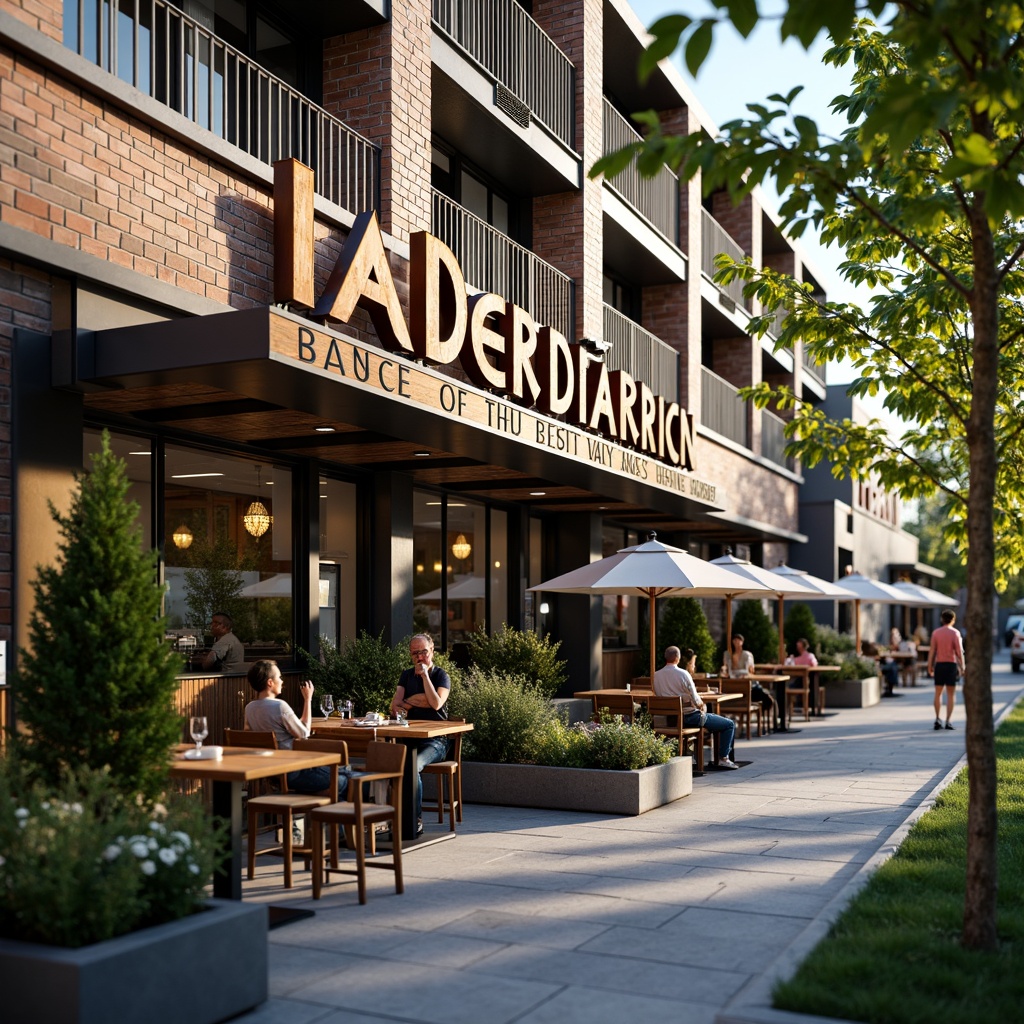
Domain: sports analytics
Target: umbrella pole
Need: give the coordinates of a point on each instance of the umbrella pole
(856, 619)
(782, 635)
(728, 627)
(654, 609)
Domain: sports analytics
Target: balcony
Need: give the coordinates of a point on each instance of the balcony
(173, 59)
(773, 440)
(492, 262)
(714, 240)
(655, 199)
(815, 370)
(722, 409)
(519, 55)
(641, 354)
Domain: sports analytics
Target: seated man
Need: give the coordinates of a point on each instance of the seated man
(673, 681)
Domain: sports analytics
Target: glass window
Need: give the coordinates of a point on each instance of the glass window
(475, 196)
(229, 548)
(499, 569)
(337, 561)
(429, 564)
(137, 454)
(534, 572)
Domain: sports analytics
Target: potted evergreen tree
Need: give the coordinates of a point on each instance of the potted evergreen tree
(103, 870)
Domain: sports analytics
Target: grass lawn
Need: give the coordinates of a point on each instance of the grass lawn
(894, 957)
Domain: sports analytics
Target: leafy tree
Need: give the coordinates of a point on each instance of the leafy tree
(760, 637)
(922, 192)
(96, 686)
(799, 623)
(213, 583)
(364, 670)
(682, 622)
(936, 547)
(520, 653)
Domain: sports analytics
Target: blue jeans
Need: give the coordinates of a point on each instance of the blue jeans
(313, 780)
(427, 752)
(715, 723)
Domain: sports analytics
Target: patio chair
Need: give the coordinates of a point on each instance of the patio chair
(449, 771)
(744, 709)
(690, 738)
(615, 704)
(384, 761)
(799, 688)
(283, 805)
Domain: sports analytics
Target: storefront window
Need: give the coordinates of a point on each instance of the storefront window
(337, 561)
(499, 569)
(429, 564)
(534, 572)
(137, 455)
(619, 613)
(228, 547)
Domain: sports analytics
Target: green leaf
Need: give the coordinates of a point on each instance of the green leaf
(698, 47)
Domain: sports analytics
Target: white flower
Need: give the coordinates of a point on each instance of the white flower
(3, 860)
(112, 852)
(76, 808)
(148, 867)
(194, 868)
(21, 813)
(139, 849)
(168, 856)
(183, 838)
(45, 805)
(156, 826)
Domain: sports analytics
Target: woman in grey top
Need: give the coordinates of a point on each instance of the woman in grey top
(268, 713)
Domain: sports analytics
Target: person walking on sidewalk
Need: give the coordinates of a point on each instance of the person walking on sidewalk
(946, 665)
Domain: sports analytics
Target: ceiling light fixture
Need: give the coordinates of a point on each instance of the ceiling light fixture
(324, 429)
(182, 537)
(192, 476)
(462, 549)
(257, 519)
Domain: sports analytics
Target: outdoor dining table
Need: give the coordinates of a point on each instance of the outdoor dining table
(901, 658)
(812, 672)
(238, 766)
(416, 729)
(778, 683)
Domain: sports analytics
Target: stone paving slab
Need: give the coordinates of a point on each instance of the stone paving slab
(689, 912)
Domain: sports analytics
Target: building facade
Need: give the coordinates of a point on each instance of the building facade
(378, 352)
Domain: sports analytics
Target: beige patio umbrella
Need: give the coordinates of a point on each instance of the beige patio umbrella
(872, 592)
(778, 585)
(651, 570)
(920, 596)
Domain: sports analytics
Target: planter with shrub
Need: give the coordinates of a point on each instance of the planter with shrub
(103, 870)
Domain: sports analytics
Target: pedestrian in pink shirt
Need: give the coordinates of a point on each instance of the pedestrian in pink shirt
(946, 665)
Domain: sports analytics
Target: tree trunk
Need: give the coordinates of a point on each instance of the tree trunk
(979, 926)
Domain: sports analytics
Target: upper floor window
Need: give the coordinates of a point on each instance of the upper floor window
(472, 189)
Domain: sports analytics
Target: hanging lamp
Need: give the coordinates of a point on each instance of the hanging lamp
(257, 519)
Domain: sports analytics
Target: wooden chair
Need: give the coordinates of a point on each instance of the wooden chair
(799, 688)
(282, 805)
(615, 704)
(450, 771)
(357, 743)
(641, 683)
(384, 761)
(742, 710)
(690, 738)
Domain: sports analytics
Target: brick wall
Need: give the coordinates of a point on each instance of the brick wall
(378, 82)
(737, 220)
(46, 16)
(567, 228)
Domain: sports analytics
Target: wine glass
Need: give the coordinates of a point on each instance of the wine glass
(197, 727)
(326, 705)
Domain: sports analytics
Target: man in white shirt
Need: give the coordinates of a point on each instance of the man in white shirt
(673, 681)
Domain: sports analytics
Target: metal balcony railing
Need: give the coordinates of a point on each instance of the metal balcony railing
(641, 354)
(153, 46)
(492, 262)
(816, 370)
(722, 410)
(714, 240)
(773, 439)
(657, 198)
(517, 53)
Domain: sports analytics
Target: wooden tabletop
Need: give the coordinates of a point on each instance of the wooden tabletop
(417, 729)
(641, 695)
(757, 677)
(798, 669)
(242, 764)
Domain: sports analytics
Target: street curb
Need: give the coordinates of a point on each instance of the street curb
(753, 1003)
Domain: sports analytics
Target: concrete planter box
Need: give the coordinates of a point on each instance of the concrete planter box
(577, 789)
(852, 693)
(201, 969)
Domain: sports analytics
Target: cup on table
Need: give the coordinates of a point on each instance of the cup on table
(347, 710)
(401, 716)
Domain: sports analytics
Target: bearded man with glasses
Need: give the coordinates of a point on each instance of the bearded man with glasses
(422, 692)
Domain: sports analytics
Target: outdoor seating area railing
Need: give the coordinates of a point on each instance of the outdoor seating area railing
(174, 59)
(722, 409)
(773, 439)
(714, 239)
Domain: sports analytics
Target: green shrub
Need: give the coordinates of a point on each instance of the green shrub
(510, 716)
(853, 667)
(563, 746)
(800, 624)
(683, 623)
(365, 671)
(760, 637)
(82, 862)
(833, 645)
(617, 746)
(523, 654)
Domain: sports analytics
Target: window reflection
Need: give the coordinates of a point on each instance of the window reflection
(337, 564)
(228, 548)
(137, 455)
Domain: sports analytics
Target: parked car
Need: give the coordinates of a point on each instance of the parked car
(1013, 624)
(1017, 651)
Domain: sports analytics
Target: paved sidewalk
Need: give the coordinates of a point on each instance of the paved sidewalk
(684, 913)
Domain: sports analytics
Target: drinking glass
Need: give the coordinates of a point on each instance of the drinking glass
(346, 709)
(401, 715)
(326, 705)
(197, 727)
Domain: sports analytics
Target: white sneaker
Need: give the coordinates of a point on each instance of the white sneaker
(724, 762)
